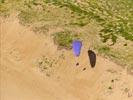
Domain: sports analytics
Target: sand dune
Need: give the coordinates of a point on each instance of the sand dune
(21, 79)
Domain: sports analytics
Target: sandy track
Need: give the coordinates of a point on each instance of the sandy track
(21, 80)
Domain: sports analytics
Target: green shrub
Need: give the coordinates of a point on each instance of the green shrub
(64, 39)
(28, 16)
(2, 1)
(104, 49)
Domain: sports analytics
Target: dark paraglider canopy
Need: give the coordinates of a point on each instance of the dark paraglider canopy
(92, 58)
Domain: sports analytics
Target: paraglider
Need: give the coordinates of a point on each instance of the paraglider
(76, 46)
(92, 58)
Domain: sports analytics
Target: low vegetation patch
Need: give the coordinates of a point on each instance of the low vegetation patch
(120, 56)
(112, 18)
(64, 39)
(115, 17)
(44, 63)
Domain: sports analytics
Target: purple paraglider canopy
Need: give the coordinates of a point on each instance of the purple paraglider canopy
(76, 45)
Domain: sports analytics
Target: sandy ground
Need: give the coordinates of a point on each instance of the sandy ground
(21, 78)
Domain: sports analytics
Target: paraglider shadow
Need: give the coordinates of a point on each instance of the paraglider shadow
(92, 58)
